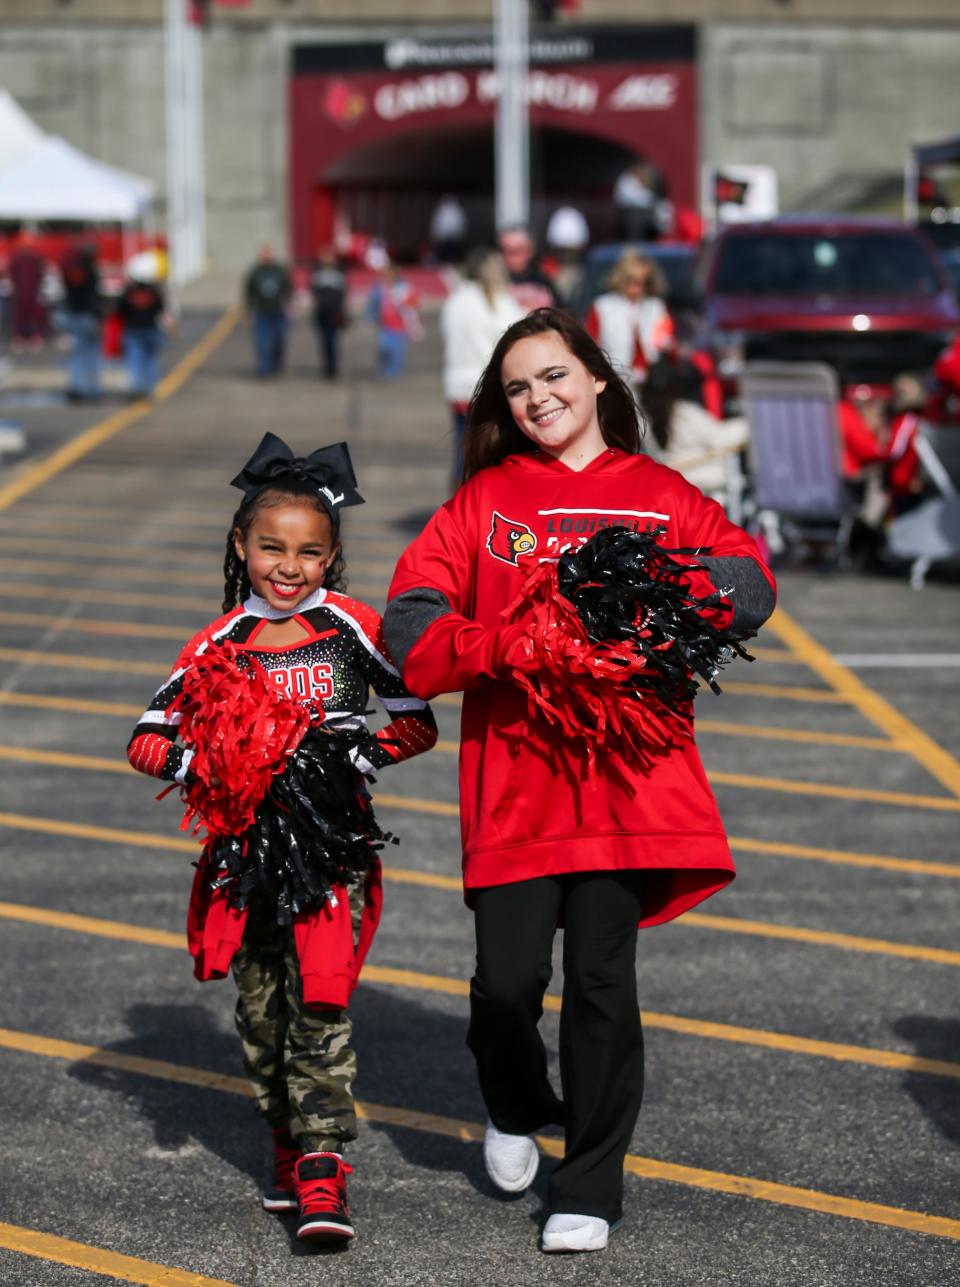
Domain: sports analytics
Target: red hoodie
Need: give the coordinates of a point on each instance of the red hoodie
(527, 807)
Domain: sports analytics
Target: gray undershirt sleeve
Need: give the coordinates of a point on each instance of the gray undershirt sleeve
(408, 616)
(751, 594)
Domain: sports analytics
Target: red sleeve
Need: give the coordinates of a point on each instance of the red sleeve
(858, 445)
(431, 597)
(592, 323)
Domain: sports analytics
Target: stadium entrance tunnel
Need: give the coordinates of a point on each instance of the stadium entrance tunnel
(390, 187)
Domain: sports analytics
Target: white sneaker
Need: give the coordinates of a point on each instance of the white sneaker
(511, 1160)
(574, 1233)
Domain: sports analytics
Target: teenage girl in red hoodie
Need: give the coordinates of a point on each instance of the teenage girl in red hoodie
(284, 613)
(552, 456)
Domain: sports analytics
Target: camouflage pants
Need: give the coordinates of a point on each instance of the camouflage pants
(297, 1057)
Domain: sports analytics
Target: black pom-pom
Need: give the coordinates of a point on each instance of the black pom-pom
(628, 588)
(314, 829)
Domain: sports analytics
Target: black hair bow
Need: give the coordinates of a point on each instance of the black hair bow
(329, 470)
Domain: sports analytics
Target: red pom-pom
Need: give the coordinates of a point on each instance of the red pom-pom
(596, 693)
(242, 732)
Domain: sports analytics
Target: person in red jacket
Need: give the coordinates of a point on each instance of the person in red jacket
(552, 456)
(285, 618)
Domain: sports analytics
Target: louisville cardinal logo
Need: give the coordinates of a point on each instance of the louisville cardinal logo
(343, 104)
(509, 539)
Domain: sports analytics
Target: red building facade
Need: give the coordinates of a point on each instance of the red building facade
(380, 130)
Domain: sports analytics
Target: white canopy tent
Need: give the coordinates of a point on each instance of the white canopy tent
(57, 181)
(19, 136)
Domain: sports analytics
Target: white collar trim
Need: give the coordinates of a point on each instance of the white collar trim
(258, 607)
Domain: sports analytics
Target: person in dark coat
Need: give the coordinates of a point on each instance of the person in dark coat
(328, 286)
(267, 293)
(82, 312)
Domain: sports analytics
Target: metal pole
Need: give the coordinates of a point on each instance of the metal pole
(184, 120)
(512, 128)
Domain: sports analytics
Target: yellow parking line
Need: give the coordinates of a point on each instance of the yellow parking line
(452, 748)
(472, 1132)
(764, 732)
(87, 831)
(764, 929)
(419, 981)
(937, 761)
(97, 520)
(85, 442)
(97, 1260)
(841, 857)
(85, 626)
(152, 574)
(824, 938)
(94, 925)
(158, 557)
(844, 857)
(788, 786)
(444, 809)
(64, 759)
(128, 598)
(68, 661)
(776, 656)
(80, 705)
(783, 692)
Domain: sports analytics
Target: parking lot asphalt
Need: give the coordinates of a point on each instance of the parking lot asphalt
(801, 1120)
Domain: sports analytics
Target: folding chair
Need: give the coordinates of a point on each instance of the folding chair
(798, 492)
(931, 533)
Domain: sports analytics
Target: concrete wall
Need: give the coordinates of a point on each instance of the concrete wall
(364, 11)
(832, 107)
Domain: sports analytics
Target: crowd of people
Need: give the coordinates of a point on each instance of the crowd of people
(69, 300)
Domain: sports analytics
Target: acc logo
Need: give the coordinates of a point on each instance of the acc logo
(508, 539)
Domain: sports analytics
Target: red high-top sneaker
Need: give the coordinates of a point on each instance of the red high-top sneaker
(281, 1195)
(322, 1191)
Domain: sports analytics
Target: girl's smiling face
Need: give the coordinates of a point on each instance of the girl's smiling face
(287, 550)
(553, 398)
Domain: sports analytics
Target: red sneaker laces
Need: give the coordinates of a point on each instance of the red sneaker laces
(325, 1194)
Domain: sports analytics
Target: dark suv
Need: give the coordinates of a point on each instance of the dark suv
(868, 297)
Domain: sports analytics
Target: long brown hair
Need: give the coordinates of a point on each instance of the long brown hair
(236, 582)
(492, 434)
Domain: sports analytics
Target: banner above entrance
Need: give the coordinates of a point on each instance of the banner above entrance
(381, 130)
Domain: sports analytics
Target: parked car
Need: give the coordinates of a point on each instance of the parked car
(677, 263)
(868, 296)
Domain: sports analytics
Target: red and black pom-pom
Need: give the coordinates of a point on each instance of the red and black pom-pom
(287, 815)
(614, 638)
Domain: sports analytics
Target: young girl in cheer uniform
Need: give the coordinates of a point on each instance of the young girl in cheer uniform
(285, 614)
(552, 444)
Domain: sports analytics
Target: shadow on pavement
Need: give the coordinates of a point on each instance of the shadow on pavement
(408, 1056)
(937, 1097)
(182, 1114)
(417, 1058)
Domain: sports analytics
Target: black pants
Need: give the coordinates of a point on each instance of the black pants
(601, 1043)
(327, 336)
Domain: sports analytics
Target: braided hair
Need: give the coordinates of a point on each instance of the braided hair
(236, 581)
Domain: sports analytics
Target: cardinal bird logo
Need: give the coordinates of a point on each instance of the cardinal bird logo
(509, 539)
(343, 104)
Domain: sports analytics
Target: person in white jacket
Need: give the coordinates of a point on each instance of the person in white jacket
(629, 320)
(681, 433)
(473, 317)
